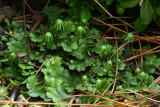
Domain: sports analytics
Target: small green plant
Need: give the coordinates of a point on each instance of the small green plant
(71, 59)
(70, 47)
(59, 25)
(129, 37)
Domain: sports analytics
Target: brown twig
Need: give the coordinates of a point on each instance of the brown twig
(147, 52)
(140, 50)
(28, 5)
(134, 55)
(107, 37)
(24, 12)
(112, 15)
(142, 96)
(103, 8)
(107, 99)
(117, 50)
(136, 37)
(116, 64)
(46, 103)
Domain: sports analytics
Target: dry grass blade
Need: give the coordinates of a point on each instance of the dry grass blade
(107, 99)
(142, 96)
(117, 50)
(136, 37)
(44, 103)
(147, 52)
(112, 15)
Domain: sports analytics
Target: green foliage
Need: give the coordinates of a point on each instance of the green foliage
(71, 59)
(69, 26)
(136, 83)
(71, 2)
(59, 25)
(147, 8)
(129, 37)
(3, 91)
(85, 15)
(35, 38)
(54, 69)
(158, 10)
(80, 30)
(138, 70)
(53, 13)
(35, 89)
(70, 45)
(128, 3)
(55, 76)
(109, 2)
(102, 84)
(121, 65)
(48, 37)
(146, 12)
(140, 26)
(120, 10)
(80, 53)
(103, 49)
(25, 66)
(149, 67)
